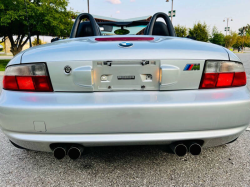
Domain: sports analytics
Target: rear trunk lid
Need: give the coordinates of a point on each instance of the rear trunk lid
(165, 63)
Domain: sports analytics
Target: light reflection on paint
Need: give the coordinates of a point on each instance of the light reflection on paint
(92, 76)
(32, 99)
(218, 95)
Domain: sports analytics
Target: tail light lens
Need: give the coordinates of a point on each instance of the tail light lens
(29, 77)
(221, 74)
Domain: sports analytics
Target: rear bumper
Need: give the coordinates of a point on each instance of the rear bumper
(124, 118)
(41, 142)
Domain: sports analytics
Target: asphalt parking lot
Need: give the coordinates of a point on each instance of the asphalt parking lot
(227, 165)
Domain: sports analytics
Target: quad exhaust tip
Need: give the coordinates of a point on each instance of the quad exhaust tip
(75, 152)
(179, 149)
(59, 153)
(194, 148)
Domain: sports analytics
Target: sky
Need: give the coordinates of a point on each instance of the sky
(188, 12)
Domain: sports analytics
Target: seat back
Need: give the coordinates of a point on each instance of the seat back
(85, 29)
(160, 29)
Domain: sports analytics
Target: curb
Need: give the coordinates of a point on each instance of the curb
(1, 73)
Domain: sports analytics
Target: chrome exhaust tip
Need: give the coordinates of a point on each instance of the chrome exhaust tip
(59, 153)
(179, 149)
(75, 152)
(195, 148)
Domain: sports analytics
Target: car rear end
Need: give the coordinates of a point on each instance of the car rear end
(91, 92)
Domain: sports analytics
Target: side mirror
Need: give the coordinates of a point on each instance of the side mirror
(54, 39)
(193, 38)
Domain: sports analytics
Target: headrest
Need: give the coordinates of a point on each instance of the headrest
(84, 30)
(160, 29)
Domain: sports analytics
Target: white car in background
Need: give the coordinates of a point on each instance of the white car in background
(102, 89)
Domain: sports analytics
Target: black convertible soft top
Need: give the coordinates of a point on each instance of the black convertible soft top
(92, 28)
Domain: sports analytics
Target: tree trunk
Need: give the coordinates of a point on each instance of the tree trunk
(17, 45)
(15, 50)
(37, 43)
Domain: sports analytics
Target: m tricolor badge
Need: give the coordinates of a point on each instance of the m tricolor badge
(191, 67)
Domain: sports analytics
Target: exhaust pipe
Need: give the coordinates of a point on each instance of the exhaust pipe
(179, 149)
(75, 152)
(60, 152)
(194, 148)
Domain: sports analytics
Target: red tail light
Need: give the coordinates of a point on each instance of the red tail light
(42, 83)
(209, 80)
(221, 74)
(31, 77)
(9, 83)
(25, 83)
(240, 79)
(225, 79)
(112, 39)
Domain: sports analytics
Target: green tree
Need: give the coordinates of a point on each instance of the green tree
(217, 37)
(244, 33)
(199, 32)
(46, 17)
(181, 31)
(247, 42)
(247, 30)
(230, 39)
(238, 43)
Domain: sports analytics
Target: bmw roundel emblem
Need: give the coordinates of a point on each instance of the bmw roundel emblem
(126, 44)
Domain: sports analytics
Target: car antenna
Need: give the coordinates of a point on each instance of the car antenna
(28, 23)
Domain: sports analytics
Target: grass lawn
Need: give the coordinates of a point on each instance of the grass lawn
(3, 64)
(5, 55)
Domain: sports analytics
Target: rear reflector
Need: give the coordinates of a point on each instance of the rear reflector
(31, 77)
(110, 39)
(221, 74)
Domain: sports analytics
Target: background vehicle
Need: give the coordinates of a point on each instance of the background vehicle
(95, 90)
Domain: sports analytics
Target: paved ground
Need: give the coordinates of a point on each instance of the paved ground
(227, 165)
(6, 57)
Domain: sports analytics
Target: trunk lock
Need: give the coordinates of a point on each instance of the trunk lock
(67, 70)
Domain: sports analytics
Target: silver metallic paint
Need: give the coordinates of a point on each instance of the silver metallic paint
(41, 142)
(124, 118)
(232, 56)
(126, 112)
(88, 49)
(17, 59)
(82, 76)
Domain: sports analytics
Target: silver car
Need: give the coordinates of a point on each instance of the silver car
(101, 89)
